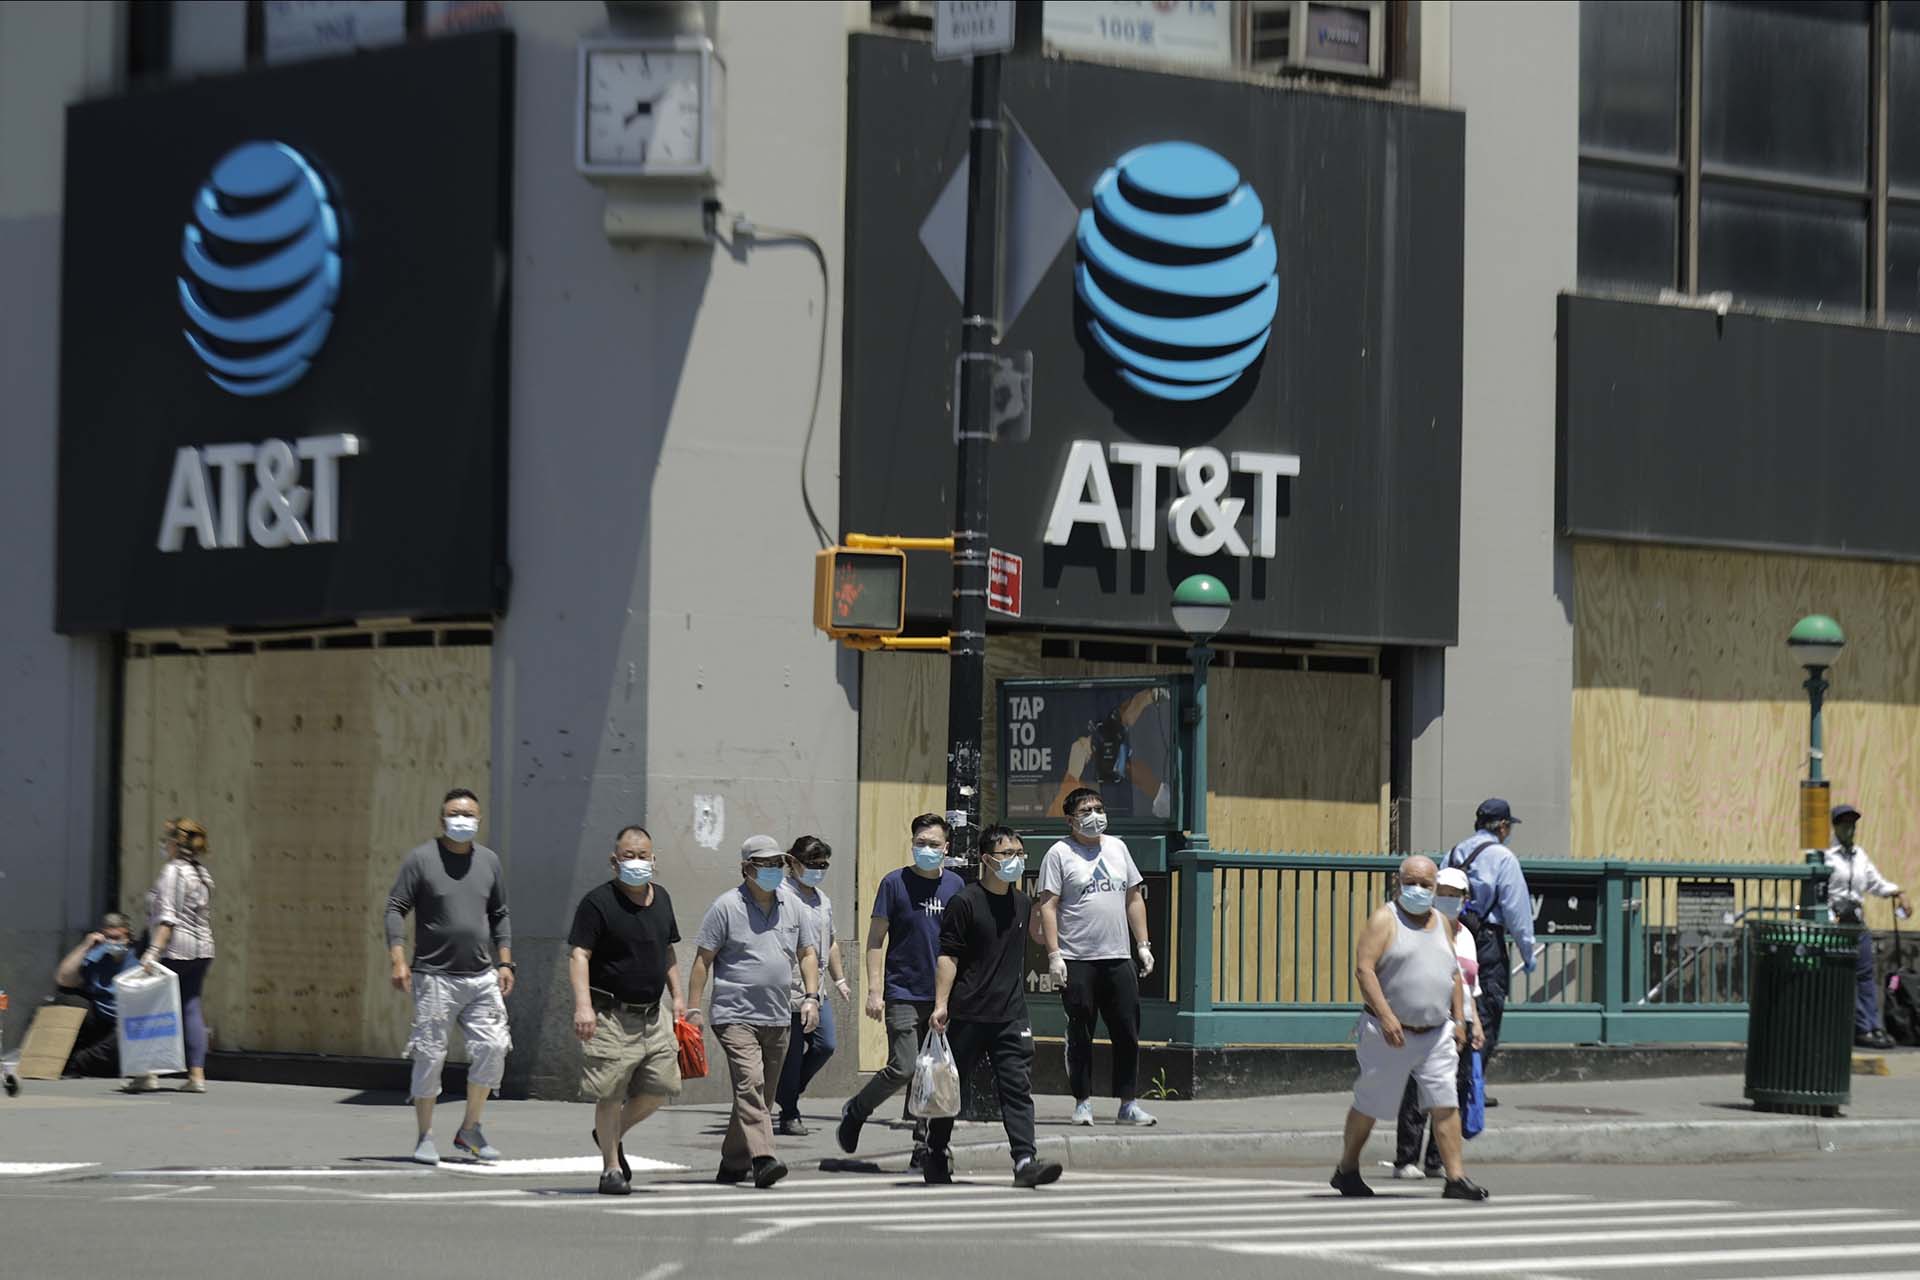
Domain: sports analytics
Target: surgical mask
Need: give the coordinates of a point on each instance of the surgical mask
(1449, 907)
(1010, 869)
(114, 948)
(813, 876)
(1093, 824)
(460, 828)
(768, 878)
(929, 859)
(1416, 899)
(636, 871)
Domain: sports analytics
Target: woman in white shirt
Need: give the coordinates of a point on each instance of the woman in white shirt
(180, 929)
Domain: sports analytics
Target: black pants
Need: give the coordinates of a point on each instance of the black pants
(1496, 980)
(1413, 1120)
(96, 1050)
(1009, 1045)
(1105, 989)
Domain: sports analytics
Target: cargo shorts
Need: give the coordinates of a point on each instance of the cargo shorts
(631, 1053)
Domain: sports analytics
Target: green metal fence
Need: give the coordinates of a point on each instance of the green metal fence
(1631, 952)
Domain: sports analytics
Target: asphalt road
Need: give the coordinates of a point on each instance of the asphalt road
(1820, 1216)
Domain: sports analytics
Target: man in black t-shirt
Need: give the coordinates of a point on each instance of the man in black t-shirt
(626, 998)
(980, 1002)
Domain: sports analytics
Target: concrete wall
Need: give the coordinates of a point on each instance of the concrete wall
(1514, 69)
(656, 660)
(54, 736)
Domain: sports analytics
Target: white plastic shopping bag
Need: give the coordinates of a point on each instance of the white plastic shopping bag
(149, 1030)
(936, 1080)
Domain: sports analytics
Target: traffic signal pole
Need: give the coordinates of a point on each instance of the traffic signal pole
(966, 688)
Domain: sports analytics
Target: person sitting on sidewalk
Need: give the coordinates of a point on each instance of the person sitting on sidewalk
(753, 939)
(626, 996)
(1451, 896)
(85, 981)
(978, 990)
(1414, 1024)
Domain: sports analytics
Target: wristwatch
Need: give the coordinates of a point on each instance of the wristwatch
(506, 964)
(811, 995)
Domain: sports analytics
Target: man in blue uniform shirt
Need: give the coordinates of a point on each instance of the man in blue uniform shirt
(1499, 906)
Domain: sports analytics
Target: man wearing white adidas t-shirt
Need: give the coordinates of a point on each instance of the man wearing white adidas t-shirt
(1090, 897)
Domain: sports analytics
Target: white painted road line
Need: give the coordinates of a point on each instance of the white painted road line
(887, 1207)
(164, 1195)
(26, 1169)
(1174, 1231)
(1683, 1233)
(273, 1173)
(1834, 1253)
(555, 1164)
(664, 1270)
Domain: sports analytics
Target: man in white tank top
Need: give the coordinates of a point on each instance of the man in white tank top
(1414, 1025)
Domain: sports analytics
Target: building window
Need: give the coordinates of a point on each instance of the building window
(175, 39)
(1768, 150)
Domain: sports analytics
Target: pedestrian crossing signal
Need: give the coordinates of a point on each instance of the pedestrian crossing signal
(859, 593)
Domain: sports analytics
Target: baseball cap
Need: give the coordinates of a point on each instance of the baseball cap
(760, 847)
(1846, 813)
(1452, 878)
(1495, 810)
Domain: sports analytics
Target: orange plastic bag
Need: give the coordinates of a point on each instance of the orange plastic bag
(693, 1049)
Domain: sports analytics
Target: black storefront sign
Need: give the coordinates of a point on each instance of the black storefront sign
(283, 344)
(1243, 304)
(1564, 907)
(1117, 736)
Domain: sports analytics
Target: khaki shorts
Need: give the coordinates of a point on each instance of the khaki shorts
(631, 1054)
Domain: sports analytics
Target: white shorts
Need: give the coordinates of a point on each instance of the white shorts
(1430, 1057)
(473, 1001)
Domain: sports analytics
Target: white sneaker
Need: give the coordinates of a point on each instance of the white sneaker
(426, 1152)
(1083, 1113)
(1135, 1114)
(1408, 1171)
(147, 1083)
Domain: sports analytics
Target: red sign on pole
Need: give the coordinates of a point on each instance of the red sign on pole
(1003, 582)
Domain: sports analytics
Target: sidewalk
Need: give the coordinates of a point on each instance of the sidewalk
(1689, 1120)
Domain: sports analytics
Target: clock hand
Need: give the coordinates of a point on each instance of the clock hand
(641, 108)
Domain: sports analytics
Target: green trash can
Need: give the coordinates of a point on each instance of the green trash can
(1800, 981)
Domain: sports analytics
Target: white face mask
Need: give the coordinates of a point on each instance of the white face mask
(1449, 907)
(635, 871)
(812, 876)
(1092, 824)
(460, 828)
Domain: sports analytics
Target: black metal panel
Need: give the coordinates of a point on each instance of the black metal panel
(1679, 425)
(414, 148)
(1361, 378)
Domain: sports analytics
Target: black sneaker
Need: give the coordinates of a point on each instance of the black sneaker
(1490, 1101)
(732, 1177)
(1036, 1173)
(790, 1127)
(626, 1170)
(767, 1171)
(1464, 1189)
(936, 1168)
(849, 1130)
(614, 1183)
(1349, 1183)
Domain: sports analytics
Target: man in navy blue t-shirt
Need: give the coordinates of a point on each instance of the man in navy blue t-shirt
(903, 940)
(85, 981)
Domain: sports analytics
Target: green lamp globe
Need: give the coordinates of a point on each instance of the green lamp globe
(1201, 606)
(1816, 640)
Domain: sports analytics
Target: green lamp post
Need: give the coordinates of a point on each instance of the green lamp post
(1815, 642)
(1201, 607)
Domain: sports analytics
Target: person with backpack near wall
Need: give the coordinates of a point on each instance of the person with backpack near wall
(1853, 879)
(1499, 906)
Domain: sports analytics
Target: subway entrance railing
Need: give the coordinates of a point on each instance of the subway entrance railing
(1260, 950)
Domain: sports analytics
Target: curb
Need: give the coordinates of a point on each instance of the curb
(1668, 1142)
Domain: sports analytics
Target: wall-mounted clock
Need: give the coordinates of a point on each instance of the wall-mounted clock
(649, 108)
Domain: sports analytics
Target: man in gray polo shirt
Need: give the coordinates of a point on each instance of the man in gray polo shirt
(458, 898)
(753, 939)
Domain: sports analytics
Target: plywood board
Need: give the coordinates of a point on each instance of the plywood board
(1689, 722)
(314, 771)
(50, 1037)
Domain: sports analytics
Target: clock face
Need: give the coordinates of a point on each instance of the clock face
(643, 108)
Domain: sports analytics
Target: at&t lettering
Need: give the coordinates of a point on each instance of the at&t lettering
(209, 492)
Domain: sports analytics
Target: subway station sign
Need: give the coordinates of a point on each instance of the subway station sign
(1243, 304)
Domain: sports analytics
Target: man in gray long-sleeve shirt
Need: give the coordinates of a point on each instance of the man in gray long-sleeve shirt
(458, 898)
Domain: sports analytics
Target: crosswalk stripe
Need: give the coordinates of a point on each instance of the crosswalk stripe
(1630, 1261)
(887, 1206)
(726, 1200)
(1688, 1232)
(1503, 1217)
(1320, 1231)
(1842, 1275)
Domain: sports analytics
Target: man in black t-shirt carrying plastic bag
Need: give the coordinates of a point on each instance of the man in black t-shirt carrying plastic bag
(980, 1003)
(626, 998)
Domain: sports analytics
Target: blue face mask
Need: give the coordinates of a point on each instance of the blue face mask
(929, 859)
(813, 876)
(768, 878)
(1416, 899)
(635, 871)
(1010, 869)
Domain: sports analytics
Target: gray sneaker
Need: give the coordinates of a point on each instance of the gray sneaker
(475, 1144)
(426, 1152)
(1135, 1114)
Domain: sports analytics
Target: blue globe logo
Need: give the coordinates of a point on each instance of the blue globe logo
(1177, 271)
(260, 269)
